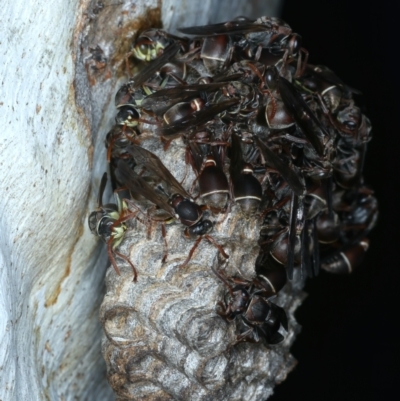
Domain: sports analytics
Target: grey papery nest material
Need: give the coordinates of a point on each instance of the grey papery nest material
(164, 339)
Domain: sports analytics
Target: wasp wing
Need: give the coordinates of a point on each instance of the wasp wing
(294, 181)
(163, 99)
(294, 206)
(303, 115)
(197, 156)
(315, 254)
(138, 186)
(236, 157)
(103, 184)
(226, 28)
(197, 118)
(152, 163)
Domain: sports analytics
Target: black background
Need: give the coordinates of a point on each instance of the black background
(349, 345)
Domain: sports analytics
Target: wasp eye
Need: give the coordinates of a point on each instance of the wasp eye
(144, 48)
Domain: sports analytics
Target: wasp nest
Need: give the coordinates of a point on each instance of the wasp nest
(260, 163)
(164, 339)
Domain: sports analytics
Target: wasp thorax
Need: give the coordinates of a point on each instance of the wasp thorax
(294, 43)
(188, 212)
(271, 77)
(120, 137)
(93, 218)
(202, 227)
(258, 310)
(240, 301)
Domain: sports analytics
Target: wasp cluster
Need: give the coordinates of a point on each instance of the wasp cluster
(265, 132)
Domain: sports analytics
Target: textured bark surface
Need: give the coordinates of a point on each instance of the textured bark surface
(60, 73)
(49, 288)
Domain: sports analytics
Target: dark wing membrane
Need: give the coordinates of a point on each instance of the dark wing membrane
(197, 155)
(226, 28)
(154, 66)
(152, 163)
(307, 247)
(294, 206)
(165, 98)
(236, 156)
(197, 118)
(222, 77)
(303, 115)
(137, 185)
(328, 184)
(273, 160)
(315, 254)
(103, 184)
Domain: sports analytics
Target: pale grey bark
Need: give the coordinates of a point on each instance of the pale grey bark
(49, 293)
